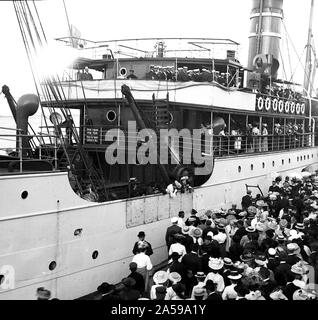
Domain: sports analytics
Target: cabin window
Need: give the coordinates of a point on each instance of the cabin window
(289, 160)
(273, 163)
(263, 165)
(283, 162)
(239, 169)
(111, 115)
(252, 167)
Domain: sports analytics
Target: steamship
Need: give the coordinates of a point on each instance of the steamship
(68, 218)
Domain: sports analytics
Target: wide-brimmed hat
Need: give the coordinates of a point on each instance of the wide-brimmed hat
(260, 227)
(271, 252)
(200, 274)
(247, 256)
(160, 277)
(234, 275)
(174, 220)
(292, 247)
(196, 232)
(227, 261)
(303, 295)
(261, 203)
(261, 260)
(250, 229)
(300, 226)
(128, 282)
(216, 263)
(239, 266)
(278, 295)
(174, 277)
(105, 287)
(280, 237)
(185, 230)
(252, 210)
(293, 234)
(199, 292)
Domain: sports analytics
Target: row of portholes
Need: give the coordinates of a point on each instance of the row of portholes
(53, 264)
(239, 169)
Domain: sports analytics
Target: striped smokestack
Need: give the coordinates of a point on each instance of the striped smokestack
(265, 33)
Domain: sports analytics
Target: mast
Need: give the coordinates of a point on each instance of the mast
(308, 65)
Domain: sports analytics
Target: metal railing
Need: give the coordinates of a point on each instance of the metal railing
(21, 152)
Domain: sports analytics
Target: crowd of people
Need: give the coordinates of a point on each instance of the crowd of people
(265, 251)
(169, 73)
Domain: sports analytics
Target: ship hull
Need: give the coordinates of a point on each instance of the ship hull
(41, 229)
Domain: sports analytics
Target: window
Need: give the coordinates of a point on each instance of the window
(263, 165)
(273, 163)
(283, 161)
(239, 169)
(252, 167)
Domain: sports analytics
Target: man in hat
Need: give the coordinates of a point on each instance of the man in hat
(177, 246)
(247, 200)
(267, 285)
(292, 249)
(216, 264)
(173, 229)
(212, 294)
(191, 260)
(181, 222)
(151, 75)
(132, 75)
(193, 216)
(139, 279)
(282, 270)
(107, 292)
(127, 292)
(86, 75)
(229, 293)
(141, 235)
(200, 276)
(43, 294)
(144, 264)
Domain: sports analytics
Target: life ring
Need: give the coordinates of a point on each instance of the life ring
(302, 108)
(281, 106)
(260, 103)
(275, 105)
(287, 106)
(267, 104)
(292, 107)
(298, 108)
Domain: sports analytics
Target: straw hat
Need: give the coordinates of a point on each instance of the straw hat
(160, 277)
(174, 277)
(234, 275)
(196, 232)
(216, 263)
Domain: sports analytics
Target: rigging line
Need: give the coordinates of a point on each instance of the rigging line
(37, 14)
(34, 25)
(69, 26)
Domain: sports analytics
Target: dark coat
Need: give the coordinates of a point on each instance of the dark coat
(280, 274)
(214, 296)
(179, 267)
(289, 290)
(129, 294)
(148, 252)
(246, 201)
(191, 261)
(171, 231)
(140, 282)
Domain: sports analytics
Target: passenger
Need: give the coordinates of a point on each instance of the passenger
(86, 75)
(151, 75)
(132, 75)
(264, 137)
(141, 235)
(249, 138)
(139, 279)
(206, 76)
(182, 74)
(256, 139)
(161, 74)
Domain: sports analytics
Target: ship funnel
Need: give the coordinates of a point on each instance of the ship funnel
(265, 35)
(27, 106)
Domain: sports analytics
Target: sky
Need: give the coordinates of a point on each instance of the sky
(105, 20)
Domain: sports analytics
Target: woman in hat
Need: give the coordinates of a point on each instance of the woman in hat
(229, 293)
(174, 278)
(177, 246)
(216, 264)
(179, 292)
(160, 278)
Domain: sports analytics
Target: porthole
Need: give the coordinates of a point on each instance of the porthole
(252, 167)
(111, 115)
(95, 254)
(1, 279)
(301, 158)
(273, 163)
(123, 71)
(297, 159)
(24, 194)
(289, 160)
(263, 165)
(307, 156)
(52, 265)
(78, 232)
(170, 117)
(239, 169)
(283, 161)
